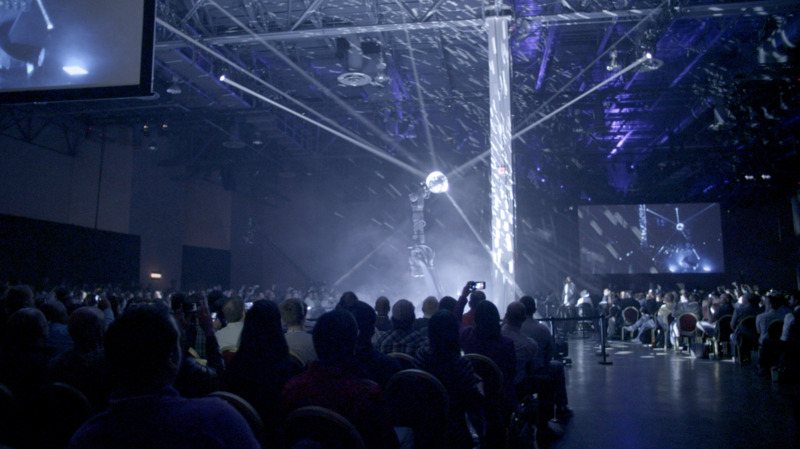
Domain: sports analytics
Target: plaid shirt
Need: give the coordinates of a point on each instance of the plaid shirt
(401, 340)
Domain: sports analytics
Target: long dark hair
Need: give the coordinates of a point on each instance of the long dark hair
(487, 322)
(443, 334)
(262, 335)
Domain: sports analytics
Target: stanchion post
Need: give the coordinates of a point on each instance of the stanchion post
(603, 341)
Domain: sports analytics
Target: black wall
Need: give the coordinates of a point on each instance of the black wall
(46, 254)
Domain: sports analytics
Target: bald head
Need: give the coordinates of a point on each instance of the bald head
(515, 314)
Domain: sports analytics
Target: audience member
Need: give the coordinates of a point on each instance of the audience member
(774, 309)
(233, 312)
(550, 377)
(58, 337)
(442, 358)
(24, 355)
(198, 377)
(430, 305)
(262, 365)
(331, 382)
(84, 366)
(485, 338)
(448, 303)
(299, 341)
(143, 352)
(475, 297)
(383, 323)
(401, 338)
(371, 364)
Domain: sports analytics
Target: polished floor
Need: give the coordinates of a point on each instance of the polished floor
(650, 398)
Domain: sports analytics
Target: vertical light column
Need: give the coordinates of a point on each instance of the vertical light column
(502, 176)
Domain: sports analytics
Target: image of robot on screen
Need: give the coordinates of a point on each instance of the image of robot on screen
(66, 44)
(651, 238)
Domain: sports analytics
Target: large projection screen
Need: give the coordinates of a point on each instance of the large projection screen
(58, 50)
(651, 238)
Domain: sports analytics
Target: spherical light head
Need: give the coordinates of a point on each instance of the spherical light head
(437, 182)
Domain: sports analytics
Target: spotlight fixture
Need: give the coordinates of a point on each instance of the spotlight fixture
(650, 63)
(437, 182)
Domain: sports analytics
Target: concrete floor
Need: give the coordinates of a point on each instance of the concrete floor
(662, 399)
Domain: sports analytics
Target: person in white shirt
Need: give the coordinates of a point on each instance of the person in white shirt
(300, 342)
(233, 310)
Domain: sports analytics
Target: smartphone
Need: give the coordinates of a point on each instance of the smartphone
(479, 285)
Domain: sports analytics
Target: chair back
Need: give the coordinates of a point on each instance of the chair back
(297, 360)
(724, 328)
(493, 433)
(66, 408)
(318, 426)
(775, 329)
(585, 310)
(630, 315)
(9, 416)
(418, 400)
(406, 361)
(245, 409)
(687, 324)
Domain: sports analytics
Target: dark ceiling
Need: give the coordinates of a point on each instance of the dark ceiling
(713, 117)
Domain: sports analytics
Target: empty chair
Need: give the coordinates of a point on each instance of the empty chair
(687, 328)
(417, 399)
(630, 315)
(315, 426)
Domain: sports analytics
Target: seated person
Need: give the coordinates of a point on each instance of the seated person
(372, 364)
(723, 306)
(143, 353)
(402, 337)
(293, 313)
(233, 311)
(84, 366)
(332, 383)
(443, 359)
(430, 305)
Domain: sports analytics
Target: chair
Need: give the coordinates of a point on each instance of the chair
(584, 326)
(722, 335)
(768, 358)
(228, 352)
(418, 400)
(494, 431)
(746, 339)
(775, 329)
(66, 409)
(630, 315)
(406, 361)
(297, 359)
(9, 417)
(687, 328)
(245, 409)
(314, 424)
